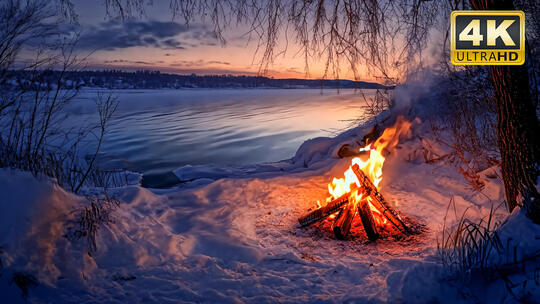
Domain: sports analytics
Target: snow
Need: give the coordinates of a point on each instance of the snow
(231, 236)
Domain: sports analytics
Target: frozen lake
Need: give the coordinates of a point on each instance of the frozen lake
(157, 131)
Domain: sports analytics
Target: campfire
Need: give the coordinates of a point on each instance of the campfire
(358, 191)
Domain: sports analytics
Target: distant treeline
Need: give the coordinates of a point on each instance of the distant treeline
(115, 79)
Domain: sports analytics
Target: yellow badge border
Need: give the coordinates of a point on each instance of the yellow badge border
(453, 53)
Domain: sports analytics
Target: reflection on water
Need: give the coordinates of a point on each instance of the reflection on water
(158, 131)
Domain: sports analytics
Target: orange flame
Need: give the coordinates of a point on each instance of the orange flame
(372, 167)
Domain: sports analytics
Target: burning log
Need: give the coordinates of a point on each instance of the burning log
(342, 223)
(368, 221)
(378, 201)
(321, 213)
(357, 189)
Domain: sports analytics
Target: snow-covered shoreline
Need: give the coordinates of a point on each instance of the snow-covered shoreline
(232, 236)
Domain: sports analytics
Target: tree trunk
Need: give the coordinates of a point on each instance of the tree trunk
(517, 127)
(517, 132)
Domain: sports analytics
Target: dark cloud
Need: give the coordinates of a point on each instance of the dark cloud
(150, 40)
(203, 35)
(113, 35)
(116, 61)
(187, 63)
(172, 44)
(219, 62)
(197, 63)
(294, 70)
(123, 61)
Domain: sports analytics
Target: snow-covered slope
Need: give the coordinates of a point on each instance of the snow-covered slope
(236, 239)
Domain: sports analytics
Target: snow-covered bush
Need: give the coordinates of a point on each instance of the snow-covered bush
(490, 253)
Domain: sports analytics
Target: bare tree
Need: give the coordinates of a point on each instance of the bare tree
(20, 24)
(35, 58)
(106, 106)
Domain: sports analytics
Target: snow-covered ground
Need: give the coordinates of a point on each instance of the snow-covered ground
(235, 239)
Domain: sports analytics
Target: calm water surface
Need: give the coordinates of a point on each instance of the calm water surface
(157, 131)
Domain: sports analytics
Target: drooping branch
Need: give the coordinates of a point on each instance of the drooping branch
(385, 38)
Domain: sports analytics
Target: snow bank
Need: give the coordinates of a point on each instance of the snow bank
(520, 235)
(31, 229)
(234, 237)
(235, 240)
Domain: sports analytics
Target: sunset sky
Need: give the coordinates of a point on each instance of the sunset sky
(155, 42)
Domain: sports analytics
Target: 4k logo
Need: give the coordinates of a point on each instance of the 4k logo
(487, 37)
